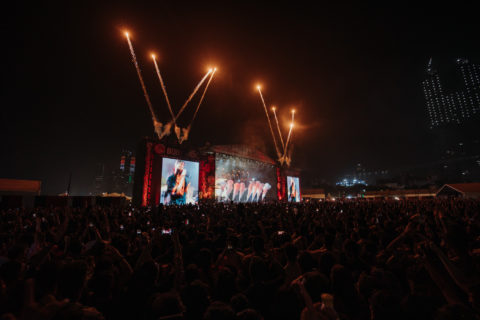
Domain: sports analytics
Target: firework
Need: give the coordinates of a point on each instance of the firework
(278, 127)
(259, 88)
(288, 139)
(164, 89)
(192, 94)
(201, 99)
(140, 78)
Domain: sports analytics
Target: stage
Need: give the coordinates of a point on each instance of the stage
(179, 174)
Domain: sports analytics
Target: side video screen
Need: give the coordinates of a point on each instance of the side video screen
(179, 182)
(293, 189)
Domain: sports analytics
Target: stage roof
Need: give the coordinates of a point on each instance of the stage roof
(243, 151)
(466, 189)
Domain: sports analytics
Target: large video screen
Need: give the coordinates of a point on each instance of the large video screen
(243, 180)
(293, 189)
(179, 182)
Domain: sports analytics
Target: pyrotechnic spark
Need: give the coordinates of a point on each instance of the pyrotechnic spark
(278, 127)
(268, 119)
(140, 78)
(191, 95)
(164, 89)
(201, 99)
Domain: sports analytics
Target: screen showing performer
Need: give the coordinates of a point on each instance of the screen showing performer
(243, 180)
(179, 182)
(293, 189)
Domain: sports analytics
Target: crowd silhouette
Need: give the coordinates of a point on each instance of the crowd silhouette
(347, 259)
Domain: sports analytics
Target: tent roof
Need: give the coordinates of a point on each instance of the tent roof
(17, 185)
(473, 187)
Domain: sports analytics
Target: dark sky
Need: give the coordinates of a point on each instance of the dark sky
(71, 99)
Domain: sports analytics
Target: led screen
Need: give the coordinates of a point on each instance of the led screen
(243, 180)
(179, 182)
(293, 189)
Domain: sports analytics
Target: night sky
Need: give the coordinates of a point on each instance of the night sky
(71, 98)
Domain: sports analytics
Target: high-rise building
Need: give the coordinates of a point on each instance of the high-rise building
(471, 80)
(122, 178)
(455, 107)
(118, 180)
(99, 183)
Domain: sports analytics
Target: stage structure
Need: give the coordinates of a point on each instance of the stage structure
(169, 171)
(173, 173)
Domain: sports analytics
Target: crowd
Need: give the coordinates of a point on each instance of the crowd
(352, 259)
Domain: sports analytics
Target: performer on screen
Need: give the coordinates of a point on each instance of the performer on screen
(177, 185)
(292, 191)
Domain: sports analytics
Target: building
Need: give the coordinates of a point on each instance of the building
(121, 179)
(435, 98)
(99, 183)
(313, 193)
(454, 118)
(400, 194)
(455, 106)
(17, 193)
(471, 80)
(463, 190)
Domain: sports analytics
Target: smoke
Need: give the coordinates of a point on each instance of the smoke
(162, 130)
(255, 135)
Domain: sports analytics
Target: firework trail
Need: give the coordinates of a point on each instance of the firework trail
(164, 89)
(288, 139)
(285, 157)
(192, 94)
(269, 123)
(201, 99)
(278, 127)
(144, 88)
